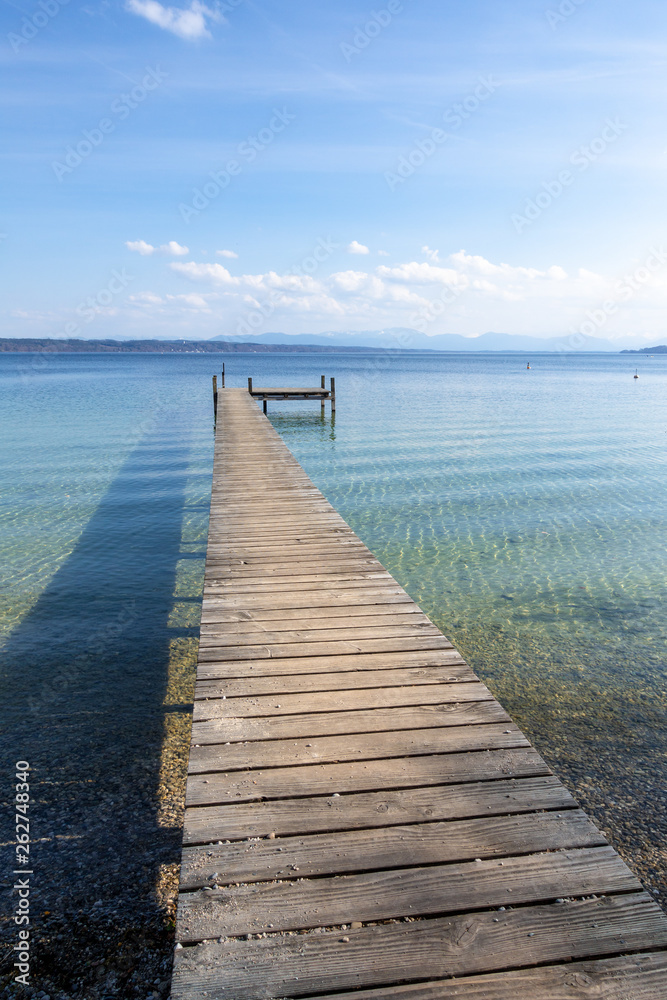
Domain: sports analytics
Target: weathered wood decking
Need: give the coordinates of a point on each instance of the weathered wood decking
(361, 813)
(282, 392)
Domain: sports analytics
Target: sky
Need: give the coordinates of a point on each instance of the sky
(254, 166)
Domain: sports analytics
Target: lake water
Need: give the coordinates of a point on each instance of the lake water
(522, 509)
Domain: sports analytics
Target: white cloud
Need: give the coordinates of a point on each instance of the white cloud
(189, 22)
(170, 249)
(431, 254)
(227, 253)
(140, 246)
(465, 294)
(173, 249)
(383, 253)
(355, 247)
(157, 304)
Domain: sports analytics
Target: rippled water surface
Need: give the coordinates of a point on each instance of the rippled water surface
(522, 509)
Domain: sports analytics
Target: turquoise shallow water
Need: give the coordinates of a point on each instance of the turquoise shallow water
(523, 510)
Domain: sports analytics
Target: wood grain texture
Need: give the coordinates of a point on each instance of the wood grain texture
(365, 746)
(294, 966)
(333, 664)
(293, 683)
(341, 701)
(309, 624)
(424, 843)
(403, 892)
(629, 977)
(355, 776)
(347, 633)
(373, 810)
(330, 723)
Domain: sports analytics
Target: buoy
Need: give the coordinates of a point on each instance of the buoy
(635, 374)
(528, 365)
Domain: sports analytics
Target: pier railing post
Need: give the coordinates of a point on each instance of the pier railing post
(333, 395)
(249, 385)
(215, 398)
(323, 385)
(223, 375)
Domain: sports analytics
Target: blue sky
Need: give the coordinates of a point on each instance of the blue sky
(452, 167)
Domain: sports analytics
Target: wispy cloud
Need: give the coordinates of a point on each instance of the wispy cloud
(355, 247)
(189, 23)
(170, 249)
(466, 293)
(227, 253)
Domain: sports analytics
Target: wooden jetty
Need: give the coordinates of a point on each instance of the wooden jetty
(363, 819)
(316, 392)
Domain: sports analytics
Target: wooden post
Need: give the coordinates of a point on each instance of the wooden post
(323, 384)
(333, 395)
(215, 398)
(264, 404)
(249, 385)
(223, 375)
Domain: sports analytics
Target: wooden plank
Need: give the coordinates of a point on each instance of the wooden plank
(355, 776)
(333, 749)
(314, 624)
(321, 568)
(269, 548)
(262, 390)
(229, 543)
(350, 679)
(309, 582)
(348, 632)
(355, 662)
(303, 565)
(364, 850)
(275, 727)
(628, 977)
(370, 810)
(298, 600)
(339, 701)
(427, 949)
(220, 616)
(402, 892)
(322, 648)
(302, 533)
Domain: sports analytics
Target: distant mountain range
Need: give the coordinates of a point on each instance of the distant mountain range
(648, 350)
(47, 345)
(397, 339)
(402, 338)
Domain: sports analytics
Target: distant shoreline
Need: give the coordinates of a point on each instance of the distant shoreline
(23, 345)
(47, 345)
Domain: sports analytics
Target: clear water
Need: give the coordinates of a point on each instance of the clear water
(523, 510)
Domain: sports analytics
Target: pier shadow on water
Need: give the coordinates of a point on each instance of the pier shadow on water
(86, 675)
